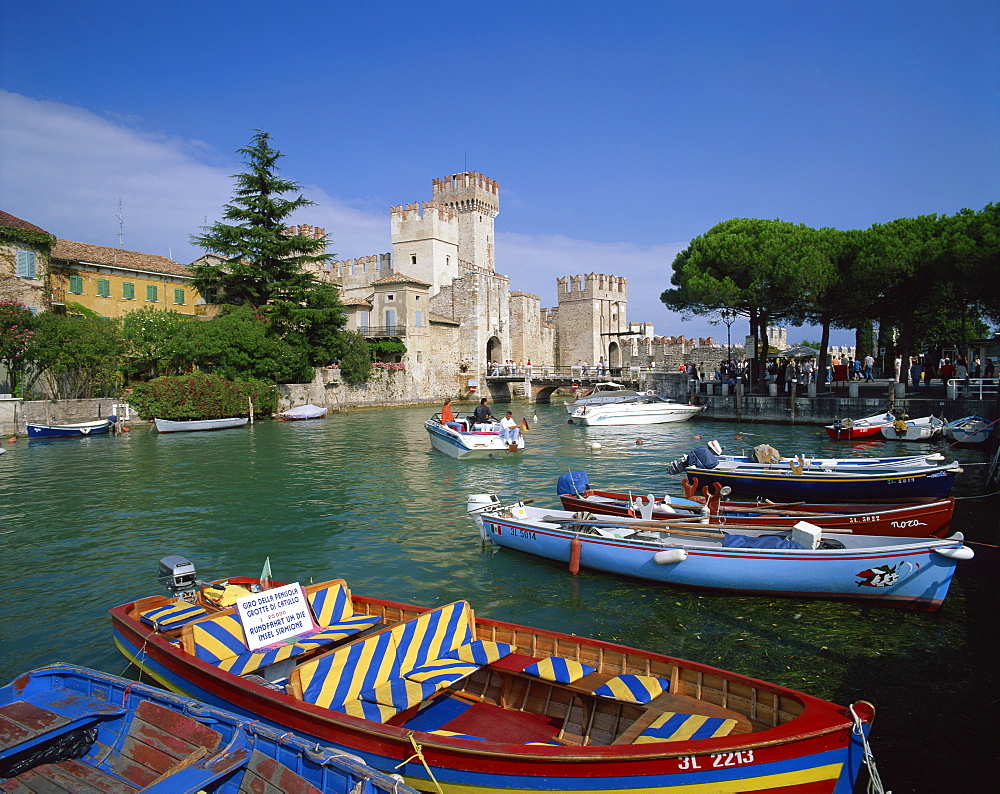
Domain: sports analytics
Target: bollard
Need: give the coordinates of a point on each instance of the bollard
(852, 389)
(811, 389)
(900, 391)
(772, 389)
(725, 389)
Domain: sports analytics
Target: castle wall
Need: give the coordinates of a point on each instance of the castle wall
(531, 338)
(425, 242)
(591, 309)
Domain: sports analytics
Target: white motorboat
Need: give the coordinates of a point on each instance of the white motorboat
(477, 441)
(926, 428)
(170, 426)
(602, 394)
(644, 410)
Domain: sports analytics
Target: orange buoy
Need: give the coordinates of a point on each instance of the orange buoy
(12, 440)
(126, 429)
(638, 441)
(697, 436)
(574, 556)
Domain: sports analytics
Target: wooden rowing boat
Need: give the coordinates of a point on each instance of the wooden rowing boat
(511, 708)
(802, 561)
(923, 519)
(65, 728)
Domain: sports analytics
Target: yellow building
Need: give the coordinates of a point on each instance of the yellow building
(113, 282)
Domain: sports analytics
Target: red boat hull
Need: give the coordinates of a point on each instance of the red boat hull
(815, 751)
(927, 519)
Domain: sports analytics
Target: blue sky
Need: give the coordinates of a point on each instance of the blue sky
(617, 131)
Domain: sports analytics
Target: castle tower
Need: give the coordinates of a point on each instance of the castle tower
(476, 199)
(591, 313)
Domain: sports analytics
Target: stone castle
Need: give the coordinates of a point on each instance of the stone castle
(438, 292)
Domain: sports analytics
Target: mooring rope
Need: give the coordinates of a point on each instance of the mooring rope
(874, 781)
(419, 755)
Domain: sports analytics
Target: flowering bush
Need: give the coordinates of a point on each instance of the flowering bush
(202, 396)
(16, 331)
(389, 365)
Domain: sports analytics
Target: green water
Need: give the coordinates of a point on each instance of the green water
(363, 496)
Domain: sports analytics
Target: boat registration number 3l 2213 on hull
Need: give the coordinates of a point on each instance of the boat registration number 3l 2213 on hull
(715, 760)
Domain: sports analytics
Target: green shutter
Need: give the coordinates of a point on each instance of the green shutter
(26, 264)
(76, 285)
(179, 297)
(151, 293)
(103, 288)
(128, 291)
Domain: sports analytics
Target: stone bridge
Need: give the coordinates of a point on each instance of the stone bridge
(540, 383)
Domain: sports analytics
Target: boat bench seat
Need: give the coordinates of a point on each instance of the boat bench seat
(220, 639)
(172, 615)
(386, 673)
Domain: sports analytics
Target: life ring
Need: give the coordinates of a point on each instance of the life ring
(650, 393)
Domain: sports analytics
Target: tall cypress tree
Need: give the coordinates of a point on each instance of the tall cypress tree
(263, 265)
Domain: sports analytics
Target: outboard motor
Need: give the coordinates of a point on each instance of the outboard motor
(700, 457)
(178, 575)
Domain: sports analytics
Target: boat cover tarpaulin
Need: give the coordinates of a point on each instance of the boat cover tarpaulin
(574, 482)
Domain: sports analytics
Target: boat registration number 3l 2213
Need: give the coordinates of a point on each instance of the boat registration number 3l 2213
(688, 763)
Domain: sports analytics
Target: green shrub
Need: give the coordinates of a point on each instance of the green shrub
(202, 396)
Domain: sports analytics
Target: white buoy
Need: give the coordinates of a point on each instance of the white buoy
(595, 445)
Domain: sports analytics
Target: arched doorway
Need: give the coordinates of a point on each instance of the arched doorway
(494, 351)
(614, 358)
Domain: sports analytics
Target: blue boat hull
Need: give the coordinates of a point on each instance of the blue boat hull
(89, 699)
(37, 431)
(817, 487)
(911, 575)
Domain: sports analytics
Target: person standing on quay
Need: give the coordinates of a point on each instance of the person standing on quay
(869, 367)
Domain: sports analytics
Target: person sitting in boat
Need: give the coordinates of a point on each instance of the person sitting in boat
(483, 415)
(448, 417)
(509, 431)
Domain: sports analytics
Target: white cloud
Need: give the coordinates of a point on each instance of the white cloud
(65, 169)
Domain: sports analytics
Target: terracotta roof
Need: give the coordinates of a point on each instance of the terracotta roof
(6, 219)
(400, 278)
(355, 302)
(70, 251)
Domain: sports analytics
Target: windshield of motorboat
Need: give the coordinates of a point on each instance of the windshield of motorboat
(608, 386)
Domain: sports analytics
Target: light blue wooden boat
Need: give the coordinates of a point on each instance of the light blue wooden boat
(803, 562)
(68, 728)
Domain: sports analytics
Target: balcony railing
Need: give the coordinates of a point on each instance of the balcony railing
(58, 296)
(382, 331)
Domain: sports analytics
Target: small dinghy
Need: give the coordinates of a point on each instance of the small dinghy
(307, 411)
(76, 430)
(969, 430)
(926, 428)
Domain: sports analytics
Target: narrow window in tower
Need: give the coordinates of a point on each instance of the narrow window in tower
(413, 259)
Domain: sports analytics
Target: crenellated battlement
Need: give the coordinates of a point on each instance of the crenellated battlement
(434, 210)
(312, 232)
(592, 286)
(468, 192)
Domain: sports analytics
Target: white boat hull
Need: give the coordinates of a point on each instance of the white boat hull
(170, 426)
(470, 445)
(633, 414)
(923, 429)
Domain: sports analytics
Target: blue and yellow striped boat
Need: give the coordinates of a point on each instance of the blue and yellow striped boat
(461, 704)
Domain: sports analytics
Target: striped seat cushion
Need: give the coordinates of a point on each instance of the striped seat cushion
(481, 652)
(171, 616)
(673, 727)
(559, 669)
(366, 710)
(339, 631)
(442, 672)
(633, 688)
(400, 693)
(331, 605)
